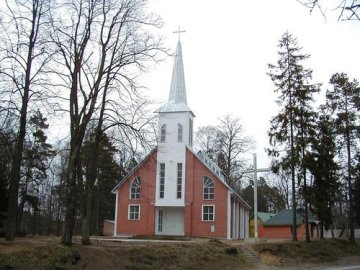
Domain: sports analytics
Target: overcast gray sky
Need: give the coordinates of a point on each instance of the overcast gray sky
(226, 49)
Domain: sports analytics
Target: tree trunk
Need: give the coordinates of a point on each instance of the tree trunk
(294, 233)
(15, 171)
(307, 232)
(90, 186)
(321, 224)
(70, 197)
(351, 211)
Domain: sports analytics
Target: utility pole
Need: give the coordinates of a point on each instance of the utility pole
(255, 170)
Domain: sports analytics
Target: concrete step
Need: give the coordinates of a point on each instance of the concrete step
(251, 255)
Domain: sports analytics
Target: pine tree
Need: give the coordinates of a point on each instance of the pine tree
(108, 173)
(342, 101)
(291, 129)
(323, 166)
(35, 163)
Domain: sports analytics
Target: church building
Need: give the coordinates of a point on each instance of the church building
(175, 191)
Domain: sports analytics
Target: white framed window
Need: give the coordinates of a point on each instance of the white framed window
(208, 188)
(180, 133)
(160, 221)
(208, 213)
(179, 181)
(135, 188)
(163, 133)
(134, 212)
(162, 181)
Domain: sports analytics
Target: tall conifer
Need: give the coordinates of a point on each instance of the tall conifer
(342, 101)
(292, 127)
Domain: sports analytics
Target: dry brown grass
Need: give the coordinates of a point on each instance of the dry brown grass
(51, 255)
(297, 253)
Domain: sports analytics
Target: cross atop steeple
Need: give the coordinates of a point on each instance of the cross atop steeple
(179, 32)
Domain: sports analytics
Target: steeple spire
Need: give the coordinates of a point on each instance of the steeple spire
(177, 88)
(177, 101)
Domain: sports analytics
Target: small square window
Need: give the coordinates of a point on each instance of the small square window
(134, 212)
(208, 213)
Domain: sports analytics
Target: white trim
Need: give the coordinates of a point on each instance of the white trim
(130, 189)
(229, 215)
(163, 134)
(129, 211)
(202, 212)
(203, 188)
(116, 211)
(180, 134)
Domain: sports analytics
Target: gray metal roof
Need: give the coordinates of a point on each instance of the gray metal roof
(177, 97)
(284, 218)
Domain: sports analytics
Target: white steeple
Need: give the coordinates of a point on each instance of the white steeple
(177, 101)
(175, 136)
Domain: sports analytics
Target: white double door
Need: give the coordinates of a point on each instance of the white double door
(169, 221)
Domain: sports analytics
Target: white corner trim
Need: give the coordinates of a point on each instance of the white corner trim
(116, 211)
(229, 214)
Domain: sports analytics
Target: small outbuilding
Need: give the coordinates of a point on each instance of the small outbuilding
(108, 227)
(281, 225)
(262, 217)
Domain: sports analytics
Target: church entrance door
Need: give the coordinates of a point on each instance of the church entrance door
(169, 221)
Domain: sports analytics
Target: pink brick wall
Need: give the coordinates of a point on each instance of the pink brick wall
(195, 171)
(146, 224)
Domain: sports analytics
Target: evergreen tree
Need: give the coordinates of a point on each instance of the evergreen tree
(6, 148)
(342, 101)
(269, 197)
(34, 166)
(357, 190)
(321, 163)
(291, 128)
(108, 174)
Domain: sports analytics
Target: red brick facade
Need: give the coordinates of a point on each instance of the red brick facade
(193, 224)
(146, 224)
(285, 232)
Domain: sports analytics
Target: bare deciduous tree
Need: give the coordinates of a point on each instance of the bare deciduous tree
(23, 57)
(225, 144)
(348, 9)
(102, 45)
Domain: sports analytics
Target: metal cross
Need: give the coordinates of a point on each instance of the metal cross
(255, 170)
(179, 32)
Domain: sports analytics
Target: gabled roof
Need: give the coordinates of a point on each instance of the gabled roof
(285, 218)
(265, 216)
(132, 171)
(177, 101)
(201, 156)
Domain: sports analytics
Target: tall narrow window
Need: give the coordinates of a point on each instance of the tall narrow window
(135, 189)
(179, 181)
(163, 133)
(162, 180)
(180, 133)
(190, 131)
(208, 188)
(160, 221)
(208, 213)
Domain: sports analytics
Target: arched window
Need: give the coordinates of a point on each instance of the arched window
(180, 133)
(208, 188)
(163, 133)
(135, 189)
